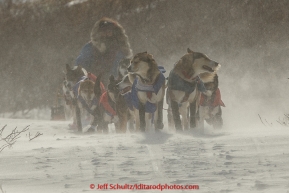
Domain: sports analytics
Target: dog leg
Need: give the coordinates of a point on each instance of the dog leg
(176, 115)
(73, 125)
(137, 120)
(78, 116)
(159, 122)
(148, 122)
(131, 119)
(142, 117)
(95, 120)
(184, 112)
(102, 125)
(201, 121)
(193, 108)
(131, 125)
(218, 121)
(122, 123)
(170, 118)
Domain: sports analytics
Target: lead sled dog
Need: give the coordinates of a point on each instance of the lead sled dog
(148, 90)
(184, 87)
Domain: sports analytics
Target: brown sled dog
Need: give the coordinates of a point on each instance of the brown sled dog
(148, 91)
(210, 102)
(184, 85)
(79, 89)
(124, 90)
(114, 106)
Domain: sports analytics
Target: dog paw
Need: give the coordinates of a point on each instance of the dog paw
(91, 130)
(72, 126)
(115, 119)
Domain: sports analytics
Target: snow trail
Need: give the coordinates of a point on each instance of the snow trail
(248, 160)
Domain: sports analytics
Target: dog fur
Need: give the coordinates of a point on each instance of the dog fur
(86, 91)
(108, 98)
(125, 114)
(122, 68)
(181, 102)
(144, 67)
(209, 112)
(66, 88)
(72, 76)
(124, 87)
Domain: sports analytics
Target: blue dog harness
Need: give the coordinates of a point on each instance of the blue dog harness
(128, 99)
(149, 89)
(175, 82)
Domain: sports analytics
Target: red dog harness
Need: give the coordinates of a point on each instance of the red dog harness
(104, 102)
(213, 103)
(93, 78)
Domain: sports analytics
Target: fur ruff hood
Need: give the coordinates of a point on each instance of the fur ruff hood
(119, 33)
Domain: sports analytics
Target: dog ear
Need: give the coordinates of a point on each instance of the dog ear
(189, 50)
(150, 56)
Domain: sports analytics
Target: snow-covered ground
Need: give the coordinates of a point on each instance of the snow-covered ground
(239, 158)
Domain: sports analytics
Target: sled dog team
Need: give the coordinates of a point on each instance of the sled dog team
(134, 100)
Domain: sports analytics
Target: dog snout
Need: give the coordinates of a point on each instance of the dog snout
(215, 64)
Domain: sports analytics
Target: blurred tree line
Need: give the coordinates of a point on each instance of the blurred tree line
(37, 38)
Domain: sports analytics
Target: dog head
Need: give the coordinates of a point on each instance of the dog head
(194, 63)
(124, 86)
(144, 66)
(75, 73)
(86, 90)
(122, 67)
